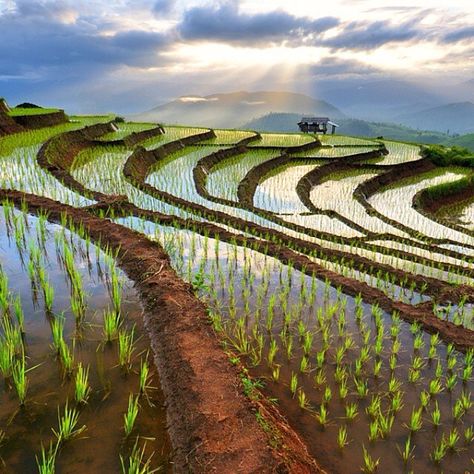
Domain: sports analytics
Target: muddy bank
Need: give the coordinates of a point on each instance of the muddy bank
(7, 124)
(57, 155)
(137, 137)
(212, 425)
(398, 172)
(434, 209)
(32, 122)
(433, 206)
(315, 177)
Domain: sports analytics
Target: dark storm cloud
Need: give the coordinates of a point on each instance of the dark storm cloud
(226, 23)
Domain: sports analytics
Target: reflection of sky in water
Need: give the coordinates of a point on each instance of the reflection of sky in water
(20, 171)
(278, 193)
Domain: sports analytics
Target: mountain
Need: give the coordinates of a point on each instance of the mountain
(457, 117)
(284, 122)
(380, 100)
(466, 141)
(234, 109)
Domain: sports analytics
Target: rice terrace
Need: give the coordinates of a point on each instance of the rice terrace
(245, 282)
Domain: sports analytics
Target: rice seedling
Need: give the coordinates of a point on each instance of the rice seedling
(67, 425)
(451, 382)
(136, 463)
(126, 347)
(452, 439)
(130, 415)
(342, 440)
(116, 290)
(19, 315)
(327, 395)
(293, 384)
(20, 379)
(469, 435)
(435, 387)
(66, 357)
(82, 388)
(303, 401)
(351, 411)
(436, 415)
(111, 325)
(47, 462)
(144, 375)
(407, 451)
(439, 451)
(370, 465)
(57, 331)
(7, 352)
(385, 423)
(374, 430)
(322, 416)
(48, 292)
(416, 422)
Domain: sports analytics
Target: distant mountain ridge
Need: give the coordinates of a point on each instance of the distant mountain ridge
(457, 117)
(234, 109)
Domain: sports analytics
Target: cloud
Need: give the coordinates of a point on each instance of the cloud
(334, 66)
(358, 35)
(225, 22)
(163, 7)
(73, 47)
(461, 34)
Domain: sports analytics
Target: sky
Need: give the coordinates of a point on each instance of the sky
(128, 56)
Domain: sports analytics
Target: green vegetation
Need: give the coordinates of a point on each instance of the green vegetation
(452, 156)
(20, 111)
(444, 190)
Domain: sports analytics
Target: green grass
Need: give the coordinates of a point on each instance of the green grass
(17, 112)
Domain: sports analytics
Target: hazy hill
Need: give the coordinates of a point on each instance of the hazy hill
(458, 117)
(235, 109)
(466, 141)
(380, 100)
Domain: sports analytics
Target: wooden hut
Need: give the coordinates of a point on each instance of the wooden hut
(317, 125)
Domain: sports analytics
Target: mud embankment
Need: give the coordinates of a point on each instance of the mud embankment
(58, 153)
(7, 124)
(316, 177)
(35, 121)
(434, 208)
(137, 137)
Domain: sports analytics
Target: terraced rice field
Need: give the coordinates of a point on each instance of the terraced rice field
(161, 292)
